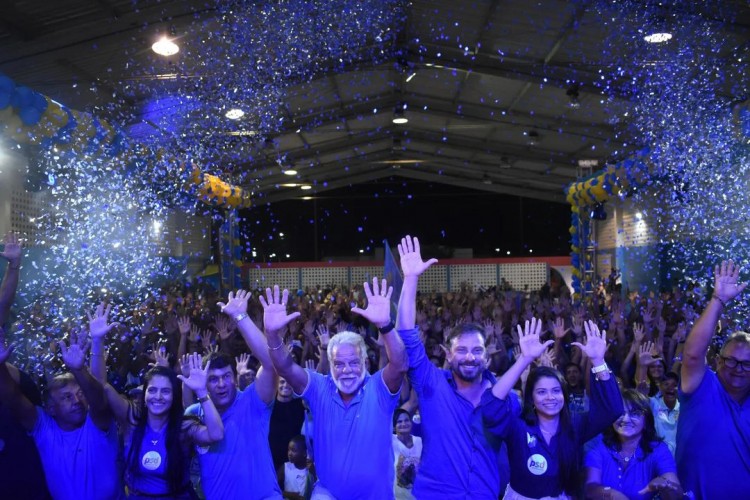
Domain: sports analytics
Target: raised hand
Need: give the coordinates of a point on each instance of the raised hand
(558, 329)
(224, 327)
(241, 364)
(275, 317)
(12, 249)
(195, 334)
(98, 326)
(378, 311)
(161, 357)
(5, 349)
(638, 333)
(198, 375)
(183, 324)
(185, 365)
(207, 340)
(236, 304)
(74, 356)
(310, 364)
(529, 341)
(726, 285)
(646, 354)
(547, 358)
(411, 258)
(596, 343)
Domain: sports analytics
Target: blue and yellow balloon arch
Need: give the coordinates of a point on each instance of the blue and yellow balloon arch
(28, 117)
(598, 188)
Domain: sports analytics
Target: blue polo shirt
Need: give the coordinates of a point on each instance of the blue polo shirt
(631, 478)
(352, 443)
(534, 464)
(240, 465)
(713, 442)
(458, 459)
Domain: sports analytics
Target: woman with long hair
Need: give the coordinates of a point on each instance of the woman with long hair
(629, 460)
(544, 438)
(158, 437)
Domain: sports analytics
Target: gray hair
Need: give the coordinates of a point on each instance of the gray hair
(347, 338)
(737, 338)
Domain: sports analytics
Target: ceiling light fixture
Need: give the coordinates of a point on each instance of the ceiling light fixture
(165, 47)
(290, 171)
(658, 37)
(305, 187)
(398, 114)
(409, 78)
(234, 114)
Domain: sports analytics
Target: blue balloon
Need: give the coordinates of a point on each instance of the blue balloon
(30, 115)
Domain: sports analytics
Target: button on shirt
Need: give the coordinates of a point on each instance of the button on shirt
(458, 459)
(352, 442)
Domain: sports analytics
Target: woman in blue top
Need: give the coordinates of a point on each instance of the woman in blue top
(545, 439)
(629, 460)
(158, 437)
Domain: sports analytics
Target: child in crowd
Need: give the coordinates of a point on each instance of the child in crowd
(297, 476)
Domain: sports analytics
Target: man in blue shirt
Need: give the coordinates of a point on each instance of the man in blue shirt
(713, 433)
(240, 465)
(76, 435)
(458, 461)
(352, 410)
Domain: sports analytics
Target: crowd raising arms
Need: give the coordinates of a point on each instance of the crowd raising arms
(466, 413)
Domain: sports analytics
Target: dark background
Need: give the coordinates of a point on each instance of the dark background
(444, 217)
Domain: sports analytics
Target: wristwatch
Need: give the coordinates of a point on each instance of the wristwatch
(387, 328)
(239, 317)
(599, 369)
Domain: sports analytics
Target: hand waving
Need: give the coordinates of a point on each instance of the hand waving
(275, 317)
(378, 311)
(98, 326)
(596, 343)
(237, 304)
(726, 286)
(411, 258)
(529, 341)
(198, 376)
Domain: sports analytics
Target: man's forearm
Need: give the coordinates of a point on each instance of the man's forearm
(700, 336)
(407, 304)
(98, 364)
(92, 389)
(256, 341)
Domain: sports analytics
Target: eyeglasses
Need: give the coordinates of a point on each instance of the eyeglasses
(634, 413)
(734, 363)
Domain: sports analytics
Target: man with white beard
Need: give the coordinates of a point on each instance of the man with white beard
(351, 409)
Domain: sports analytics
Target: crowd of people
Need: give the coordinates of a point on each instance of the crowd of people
(322, 393)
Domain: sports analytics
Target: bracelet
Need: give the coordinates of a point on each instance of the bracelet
(714, 296)
(239, 317)
(277, 347)
(203, 399)
(388, 328)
